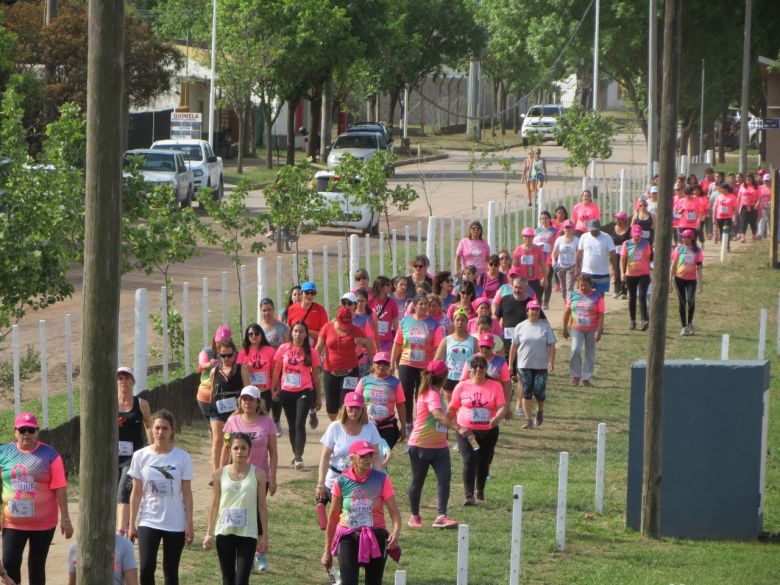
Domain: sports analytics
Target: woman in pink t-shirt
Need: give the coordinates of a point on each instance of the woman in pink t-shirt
(584, 211)
(528, 260)
(386, 311)
(748, 207)
(256, 359)
(478, 404)
(473, 250)
(685, 272)
(296, 383)
(428, 446)
(546, 234)
(725, 209)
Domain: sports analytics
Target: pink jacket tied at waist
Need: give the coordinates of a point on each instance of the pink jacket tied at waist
(368, 546)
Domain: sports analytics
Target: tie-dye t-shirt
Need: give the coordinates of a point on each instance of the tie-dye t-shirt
(30, 480)
(585, 309)
(545, 238)
(637, 257)
(381, 396)
(363, 498)
(685, 260)
(428, 433)
(418, 340)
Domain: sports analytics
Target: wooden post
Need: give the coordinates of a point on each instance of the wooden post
(724, 347)
(515, 555)
(102, 237)
(462, 577)
(601, 447)
(563, 486)
(140, 342)
(654, 382)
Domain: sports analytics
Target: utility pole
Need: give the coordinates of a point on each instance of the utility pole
(326, 116)
(654, 382)
(212, 86)
(596, 57)
(652, 87)
(102, 238)
(472, 122)
(49, 14)
(743, 112)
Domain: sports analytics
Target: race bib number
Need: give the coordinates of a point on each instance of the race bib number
(416, 355)
(646, 234)
(234, 517)
(359, 514)
(688, 259)
(527, 260)
(691, 216)
(440, 428)
(509, 332)
(480, 415)
(584, 321)
(226, 405)
(349, 383)
(162, 487)
(416, 340)
(125, 448)
(377, 411)
(724, 209)
(292, 379)
(259, 378)
(383, 327)
(21, 508)
(638, 254)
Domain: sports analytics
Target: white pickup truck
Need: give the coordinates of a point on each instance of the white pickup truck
(200, 158)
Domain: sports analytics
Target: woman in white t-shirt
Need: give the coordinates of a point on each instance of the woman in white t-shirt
(161, 501)
(351, 425)
(564, 258)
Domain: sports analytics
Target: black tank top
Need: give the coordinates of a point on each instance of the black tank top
(227, 387)
(131, 429)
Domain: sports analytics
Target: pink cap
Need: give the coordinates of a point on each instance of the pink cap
(381, 356)
(568, 223)
(529, 231)
(477, 302)
(486, 340)
(354, 399)
(361, 448)
(533, 304)
(688, 234)
(621, 215)
(223, 333)
(437, 367)
(514, 271)
(25, 419)
(636, 230)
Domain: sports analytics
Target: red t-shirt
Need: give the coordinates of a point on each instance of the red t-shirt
(340, 349)
(528, 261)
(315, 320)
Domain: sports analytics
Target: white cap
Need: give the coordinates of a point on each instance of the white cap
(251, 391)
(126, 370)
(767, 177)
(653, 189)
(350, 296)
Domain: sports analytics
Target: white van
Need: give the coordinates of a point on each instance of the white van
(541, 119)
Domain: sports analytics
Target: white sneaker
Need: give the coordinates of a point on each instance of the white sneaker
(690, 329)
(278, 425)
(684, 332)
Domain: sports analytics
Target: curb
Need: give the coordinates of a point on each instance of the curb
(424, 159)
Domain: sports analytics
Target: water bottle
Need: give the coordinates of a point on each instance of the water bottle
(321, 515)
(334, 575)
(473, 442)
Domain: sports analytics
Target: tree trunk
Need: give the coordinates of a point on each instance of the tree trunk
(249, 130)
(269, 152)
(654, 381)
(291, 132)
(685, 135)
(496, 107)
(240, 114)
(326, 117)
(393, 104)
(102, 238)
(724, 113)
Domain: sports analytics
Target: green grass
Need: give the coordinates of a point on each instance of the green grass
(462, 142)
(600, 550)
(255, 167)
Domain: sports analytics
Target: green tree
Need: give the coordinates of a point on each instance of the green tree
(234, 229)
(586, 135)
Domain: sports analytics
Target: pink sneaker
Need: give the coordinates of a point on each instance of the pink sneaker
(443, 522)
(414, 521)
(557, 288)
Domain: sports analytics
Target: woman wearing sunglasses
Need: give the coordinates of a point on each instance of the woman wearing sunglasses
(226, 384)
(256, 359)
(34, 490)
(313, 314)
(478, 404)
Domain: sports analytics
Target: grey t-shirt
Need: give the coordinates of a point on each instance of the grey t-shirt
(275, 334)
(124, 559)
(533, 339)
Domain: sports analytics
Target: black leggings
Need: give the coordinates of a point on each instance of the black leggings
(271, 405)
(236, 555)
(686, 295)
(421, 459)
(296, 407)
(637, 287)
(410, 380)
(548, 284)
(348, 563)
(335, 391)
(148, 545)
(476, 464)
(748, 218)
(536, 286)
(14, 542)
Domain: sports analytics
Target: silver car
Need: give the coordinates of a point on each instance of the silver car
(165, 167)
(361, 145)
(359, 217)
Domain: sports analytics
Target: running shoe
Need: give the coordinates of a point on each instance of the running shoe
(414, 521)
(690, 328)
(587, 383)
(528, 424)
(278, 425)
(546, 307)
(313, 420)
(684, 332)
(443, 522)
(479, 496)
(469, 501)
(298, 464)
(575, 381)
(616, 295)
(260, 563)
(645, 325)
(623, 296)
(632, 327)
(518, 412)
(539, 417)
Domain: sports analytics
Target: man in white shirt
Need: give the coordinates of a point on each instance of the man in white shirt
(595, 255)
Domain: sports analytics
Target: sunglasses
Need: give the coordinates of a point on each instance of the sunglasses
(479, 367)
(310, 293)
(27, 430)
(494, 263)
(226, 355)
(253, 334)
(503, 258)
